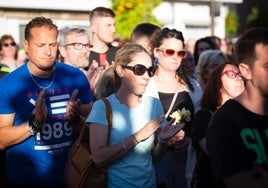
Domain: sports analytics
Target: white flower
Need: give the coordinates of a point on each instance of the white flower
(181, 116)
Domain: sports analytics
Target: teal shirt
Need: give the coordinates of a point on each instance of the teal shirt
(135, 169)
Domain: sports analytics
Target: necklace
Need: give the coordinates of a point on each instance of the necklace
(43, 87)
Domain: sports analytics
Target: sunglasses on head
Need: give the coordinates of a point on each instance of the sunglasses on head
(9, 44)
(171, 52)
(141, 69)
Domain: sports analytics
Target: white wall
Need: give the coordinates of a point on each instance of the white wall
(183, 15)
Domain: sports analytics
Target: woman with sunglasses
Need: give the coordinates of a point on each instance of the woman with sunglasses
(8, 49)
(135, 138)
(175, 91)
(224, 82)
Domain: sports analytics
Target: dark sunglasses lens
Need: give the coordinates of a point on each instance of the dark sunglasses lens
(170, 52)
(181, 54)
(139, 70)
(11, 44)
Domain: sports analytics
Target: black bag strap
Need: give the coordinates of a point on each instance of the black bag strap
(109, 117)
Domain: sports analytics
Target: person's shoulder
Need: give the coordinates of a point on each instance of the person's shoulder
(230, 105)
(67, 68)
(150, 100)
(113, 48)
(203, 112)
(22, 70)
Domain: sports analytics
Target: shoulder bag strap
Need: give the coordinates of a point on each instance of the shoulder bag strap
(109, 117)
(173, 101)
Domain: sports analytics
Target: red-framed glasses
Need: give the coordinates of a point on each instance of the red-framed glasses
(171, 52)
(232, 74)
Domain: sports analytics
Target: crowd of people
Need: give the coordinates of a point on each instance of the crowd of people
(168, 96)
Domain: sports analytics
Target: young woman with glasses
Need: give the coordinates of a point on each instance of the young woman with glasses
(139, 132)
(175, 91)
(224, 82)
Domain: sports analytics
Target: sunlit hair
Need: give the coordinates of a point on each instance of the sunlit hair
(101, 12)
(165, 33)
(208, 60)
(4, 38)
(107, 84)
(245, 46)
(127, 52)
(211, 97)
(65, 31)
(38, 22)
(110, 81)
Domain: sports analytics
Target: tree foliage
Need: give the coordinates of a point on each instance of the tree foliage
(129, 13)
(259, 15)
(232, 23)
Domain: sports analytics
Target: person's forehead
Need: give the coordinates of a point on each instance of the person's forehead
(230, 67)
(105, 20)
(78, 36)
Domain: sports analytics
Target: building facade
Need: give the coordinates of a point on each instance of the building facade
(191, 17)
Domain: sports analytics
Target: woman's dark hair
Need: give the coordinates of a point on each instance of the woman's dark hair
(211, 98)
(209, 41)
(165, 33)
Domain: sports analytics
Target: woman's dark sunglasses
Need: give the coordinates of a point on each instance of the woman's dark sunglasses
(141, 69)
(9, 44)
(171, 52)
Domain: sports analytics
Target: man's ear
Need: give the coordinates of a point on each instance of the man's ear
(62, 51)
(245, 71)
(25, 45)
(93, 27)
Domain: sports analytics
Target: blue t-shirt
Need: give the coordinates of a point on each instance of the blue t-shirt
(135, 169)
(40, 159)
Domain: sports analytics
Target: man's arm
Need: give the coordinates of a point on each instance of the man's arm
(9, 134)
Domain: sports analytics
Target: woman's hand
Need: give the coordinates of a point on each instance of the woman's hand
(168, 131)
(40, 107)
(148, 129)
(73, 108)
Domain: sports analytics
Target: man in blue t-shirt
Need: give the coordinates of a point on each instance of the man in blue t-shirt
(43, 104)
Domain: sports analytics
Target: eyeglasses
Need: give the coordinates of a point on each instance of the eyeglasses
(171, 52)
(9, 44)
(232, 74)
(141, 69)
(79, 46)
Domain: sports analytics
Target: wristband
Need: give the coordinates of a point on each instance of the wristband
(34, 124)
(29, 129)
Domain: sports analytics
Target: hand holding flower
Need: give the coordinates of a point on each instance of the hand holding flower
(181, 116)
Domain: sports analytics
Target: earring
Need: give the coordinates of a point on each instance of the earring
(155, 62)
